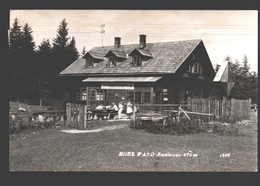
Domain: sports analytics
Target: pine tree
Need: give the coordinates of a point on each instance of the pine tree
(29, 62)
(61, 40)
(228, 59)
(245, 68)
(22, 61)
(246, 85)
(72, 52)
(44, 56)
(64, 53)
(83, 52)
(15, 43)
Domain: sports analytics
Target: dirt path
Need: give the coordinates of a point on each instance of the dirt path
(95, 130)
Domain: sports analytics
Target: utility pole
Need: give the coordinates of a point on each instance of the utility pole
(102, 32)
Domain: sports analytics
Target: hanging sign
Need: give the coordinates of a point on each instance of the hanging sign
(118, 86)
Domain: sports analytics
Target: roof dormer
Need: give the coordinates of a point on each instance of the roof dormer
(92, 59)
(139, 55)
(114, 57)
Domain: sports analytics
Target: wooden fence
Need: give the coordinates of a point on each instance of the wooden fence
(229, 108)
(233, 109)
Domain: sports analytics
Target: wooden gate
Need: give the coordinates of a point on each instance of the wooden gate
(76, 115)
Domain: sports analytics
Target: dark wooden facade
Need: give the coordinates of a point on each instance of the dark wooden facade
(167, 90)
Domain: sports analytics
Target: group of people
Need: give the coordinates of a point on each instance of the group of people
(120, 108)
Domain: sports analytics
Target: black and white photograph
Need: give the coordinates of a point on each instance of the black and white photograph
(103, 90)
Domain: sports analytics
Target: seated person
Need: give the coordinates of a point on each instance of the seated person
(99, 107)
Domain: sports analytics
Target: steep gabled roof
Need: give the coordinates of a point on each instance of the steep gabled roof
(167, 58)
(224, 73)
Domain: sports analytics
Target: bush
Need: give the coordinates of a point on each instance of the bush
(197, 124)
(17, 125)
(225, 125)
(14, 125)
(185, 126)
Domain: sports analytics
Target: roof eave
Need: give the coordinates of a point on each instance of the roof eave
(116, 74)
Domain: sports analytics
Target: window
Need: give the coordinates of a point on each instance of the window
(145, 97)
(82, 95)
(97, 95)
(137, 61)
(130, 95)
(139, 96)
(165, 94)
(92, 95)
(112, 61)
(89, 62)
(100, 95)
(195, 68)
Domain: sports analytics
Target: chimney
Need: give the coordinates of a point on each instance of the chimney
(117, 42)
(142, 42)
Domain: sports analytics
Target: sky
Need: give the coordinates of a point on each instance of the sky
(233, 32)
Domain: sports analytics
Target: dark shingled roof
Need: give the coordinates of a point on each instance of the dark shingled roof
(167, 58)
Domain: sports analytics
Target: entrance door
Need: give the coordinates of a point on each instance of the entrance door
(158, 97)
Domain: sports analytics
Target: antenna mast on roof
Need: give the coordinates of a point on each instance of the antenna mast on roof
(102, 32)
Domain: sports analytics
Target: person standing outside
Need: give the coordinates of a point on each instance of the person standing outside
(120, 109)
(129, 108)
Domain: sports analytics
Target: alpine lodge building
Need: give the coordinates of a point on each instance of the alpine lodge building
(145, 73)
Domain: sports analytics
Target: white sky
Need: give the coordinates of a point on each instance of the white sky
(224, 33)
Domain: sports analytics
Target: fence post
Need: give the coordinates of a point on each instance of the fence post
(188, 103)
(77, 116)
(209, 106)
(223, 106)
(68, 110)
(249, 109)
(232, 108)
(204, 105)
(216, 107)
